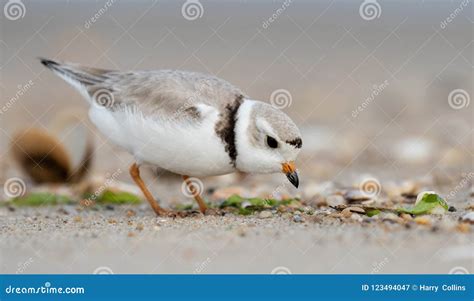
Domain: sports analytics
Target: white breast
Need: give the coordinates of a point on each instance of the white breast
(183, 147)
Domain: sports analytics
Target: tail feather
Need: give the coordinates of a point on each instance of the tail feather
(84, 76)
(48, 63)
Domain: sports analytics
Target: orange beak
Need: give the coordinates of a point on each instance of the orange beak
(289, 170)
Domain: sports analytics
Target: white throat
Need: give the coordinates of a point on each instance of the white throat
(242, 142)
(249, 159)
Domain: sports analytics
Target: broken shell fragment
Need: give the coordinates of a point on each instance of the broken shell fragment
(346, 213)
(423, 220)
(41, 156)
(356, 196)
(48, 158)
(468, 218)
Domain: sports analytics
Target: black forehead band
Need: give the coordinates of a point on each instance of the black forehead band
(297, 143)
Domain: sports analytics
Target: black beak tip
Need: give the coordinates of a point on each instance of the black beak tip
(293, 178)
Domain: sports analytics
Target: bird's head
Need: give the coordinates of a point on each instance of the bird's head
(267, 140)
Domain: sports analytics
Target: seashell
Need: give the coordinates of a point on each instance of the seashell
(63, 155)
(41, 156)
(355, 196)
(468, 218)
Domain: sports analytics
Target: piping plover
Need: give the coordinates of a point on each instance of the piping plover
(185, 122)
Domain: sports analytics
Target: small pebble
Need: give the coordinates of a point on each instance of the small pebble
(335, 200)
(131, 213)
(319, 201)
(468, 218)
(265, 214)
(409, 188)
(422, 220)
(297, 218)
(346, 213)
(308, 210)
(357, 218)
(470, 207)
(389, 216)
(406, 217)
(356, 196)
(463, 227)
(356, 210)
(78, 219)
(140, 227)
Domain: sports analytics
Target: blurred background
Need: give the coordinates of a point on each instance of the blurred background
(378, 88)
(367, 84)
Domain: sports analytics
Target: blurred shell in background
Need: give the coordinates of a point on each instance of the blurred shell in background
(46, 158)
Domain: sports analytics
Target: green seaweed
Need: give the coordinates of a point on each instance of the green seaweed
(184, 207)
(41, 199)
(117, 198)
(428, 202)
(372, 212)
(253, 204)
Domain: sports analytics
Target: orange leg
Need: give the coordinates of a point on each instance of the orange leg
(197, 197)
(135, 173)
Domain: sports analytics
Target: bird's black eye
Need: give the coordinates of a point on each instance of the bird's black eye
(271, 142)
